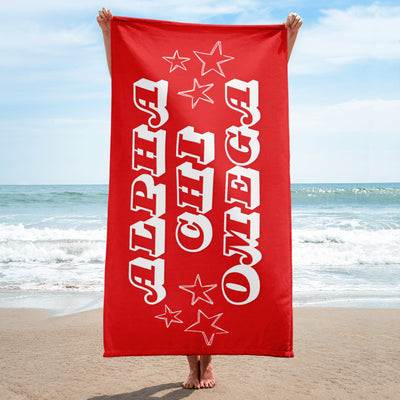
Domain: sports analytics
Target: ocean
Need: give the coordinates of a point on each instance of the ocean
(346, 245)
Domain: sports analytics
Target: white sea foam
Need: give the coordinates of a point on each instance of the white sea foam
(22, 233)
(51, 259)
(334, 246)
(53, 277)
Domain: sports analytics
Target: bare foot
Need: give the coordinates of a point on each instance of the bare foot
(192, 382)
(207, 379)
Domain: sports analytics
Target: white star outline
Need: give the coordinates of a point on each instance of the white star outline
(166, 316)
(196, 85)
(216, 318)
(173, 61)
(196, 298)
(219, 70)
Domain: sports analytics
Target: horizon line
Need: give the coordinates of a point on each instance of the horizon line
(107, 184)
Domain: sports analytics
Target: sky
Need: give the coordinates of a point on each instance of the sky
(344, 86)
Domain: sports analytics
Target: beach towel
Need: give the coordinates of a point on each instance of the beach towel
(198, 256)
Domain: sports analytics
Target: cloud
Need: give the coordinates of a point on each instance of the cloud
(351, 117)
(352, 141)
(30, 31)
(34, 34)
(151, 9)
(31, 43)
(347, 36)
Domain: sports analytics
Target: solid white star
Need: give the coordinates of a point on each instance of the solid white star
(214, 60)
(209, 329)
(198, 93)
(176, 61)
(199, 291)
(170, 316)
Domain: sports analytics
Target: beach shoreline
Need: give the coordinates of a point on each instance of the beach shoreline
(57, 303)
(60, 303)
(339, 353)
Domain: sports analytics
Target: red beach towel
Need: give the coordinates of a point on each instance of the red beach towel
(199, 225)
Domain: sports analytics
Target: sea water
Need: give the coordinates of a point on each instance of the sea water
(346, 245)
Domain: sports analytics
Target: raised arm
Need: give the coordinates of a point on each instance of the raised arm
(103, 20)
(293, 24)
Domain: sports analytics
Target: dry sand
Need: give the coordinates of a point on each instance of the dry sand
(340, 353)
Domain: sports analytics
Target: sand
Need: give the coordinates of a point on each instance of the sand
(340, 353)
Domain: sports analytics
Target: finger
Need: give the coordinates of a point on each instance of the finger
(288, 19)
(104, 13)
(109, 14)
(289, 22)
(298, 23)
